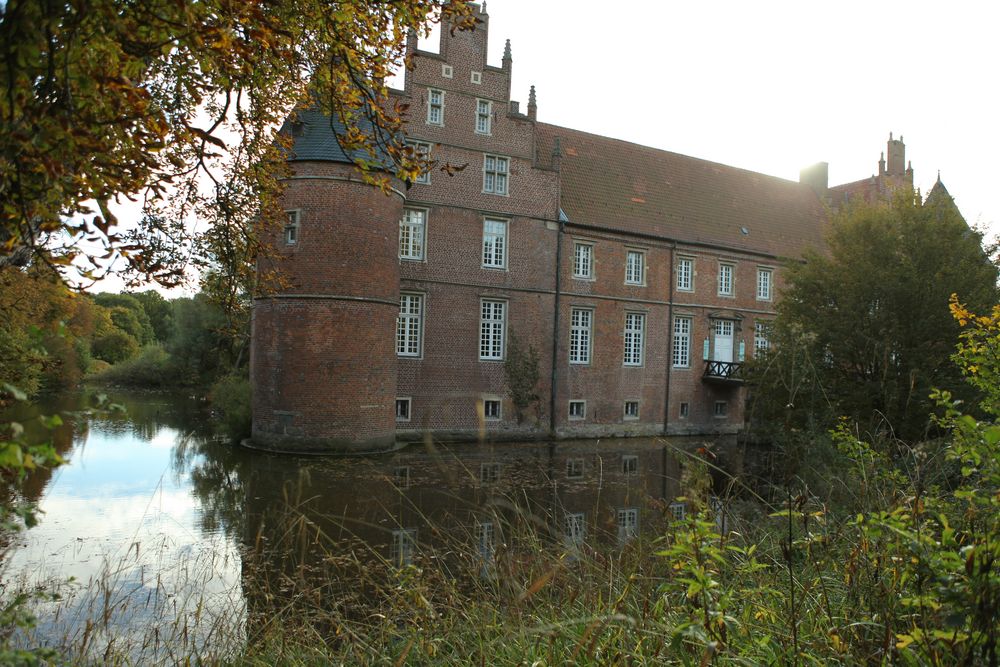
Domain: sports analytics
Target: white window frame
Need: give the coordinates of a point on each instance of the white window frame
(727, 273)
(485, 540)
(492, 415)
(422, 149)
(625, 410)
(413, 234)
(581, 328)
(476, 77)
(635, 267)
(484, 117)
(765, 283)
(496, 174)
(627, 520)
(581, 410)
(630, 464)
(761, 337)
(575, 528)
(435, 106)
(492, 329)
(447, 71)
(583, 260)
(685, 274)
(410, 325)
(634, 343)
(408, 402)
(404, 546)
(291, 232)
(681, 347)
(678, 509)
(495, 243)
(575, 468)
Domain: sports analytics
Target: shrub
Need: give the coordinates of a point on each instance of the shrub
(153, 367)
(115, 347)
(230, 398)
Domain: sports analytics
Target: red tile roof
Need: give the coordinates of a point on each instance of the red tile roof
(624, 186)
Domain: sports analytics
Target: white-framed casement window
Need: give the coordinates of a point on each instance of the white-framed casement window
(496, 169)
(635, 267)
(577, 410)
(628, 524)
(635, 324)
(678, 509)
(422, 151)
(761, 339)
(403, 405)
(435, 106)
(574, 468)
(764, 282)
(412, 232)
(583, 260)
(492, 409)
(725, 279)
(682, 342)
(631, 410)
(580, 329)
(404, 546)
(447, 71)
(630, 464)
(409, 325)
(685, 274)
(291, 227)
(489, 473)
(476, 77)
(494, 243)
(484, 115)
(492, 320)
(485, 540)
(575, 528)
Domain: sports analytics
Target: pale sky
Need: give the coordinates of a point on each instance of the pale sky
(773, 86)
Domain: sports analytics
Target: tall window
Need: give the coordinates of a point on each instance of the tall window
(411, 233)
(291, 227)
(495, 170)
(408, 325)
(583, 260)
(634, 324)
(483, 116)
(494, 243)
(628, 524)
(761, 343)
(574, 526)
(491, 329)
(435, 107)
(580, 325)
(634, 265)
(682, 342)
(404, 544)
(421, 151)
(725, 279)
(764, 284)
(485, 540)
(685, 274)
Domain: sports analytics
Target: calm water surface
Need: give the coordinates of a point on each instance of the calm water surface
(153, 516)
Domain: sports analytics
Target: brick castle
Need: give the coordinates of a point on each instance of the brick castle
(642, 278)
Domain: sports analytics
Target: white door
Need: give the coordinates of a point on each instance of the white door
(722, 350)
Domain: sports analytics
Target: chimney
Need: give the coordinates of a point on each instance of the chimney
(532, 105)
(896, 150)
(817, 177)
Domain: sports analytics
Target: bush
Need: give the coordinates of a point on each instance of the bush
(115, 347)
(230, 398)
(153, 367)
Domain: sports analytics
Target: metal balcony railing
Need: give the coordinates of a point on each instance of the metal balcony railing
(723, 371)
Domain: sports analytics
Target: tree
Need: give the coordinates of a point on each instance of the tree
(176, 103)
(871, 315)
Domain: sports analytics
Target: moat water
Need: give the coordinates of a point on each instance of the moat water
(148, 530)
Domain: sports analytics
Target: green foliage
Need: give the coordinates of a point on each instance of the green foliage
(159, 311)
(230, 398)
(198, 345)
(521, 369)
(115, 347)
(151, 368)
(868, 321)
(127, 314)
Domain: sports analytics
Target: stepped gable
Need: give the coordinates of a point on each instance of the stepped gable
(624, 186)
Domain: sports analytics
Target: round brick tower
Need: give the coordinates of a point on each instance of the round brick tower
(323, 355)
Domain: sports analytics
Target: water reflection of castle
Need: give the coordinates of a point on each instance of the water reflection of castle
(428, 502)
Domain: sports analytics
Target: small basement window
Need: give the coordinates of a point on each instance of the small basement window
(631, 409)
(721, 408)
(577, 409)
(491, 409)
(574, 468)
(402, 409)
(630, 464)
